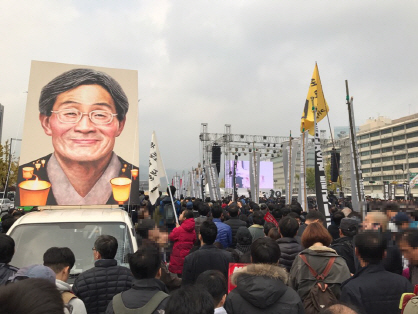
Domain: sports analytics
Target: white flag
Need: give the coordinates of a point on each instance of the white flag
(156, 170)
(413, 182)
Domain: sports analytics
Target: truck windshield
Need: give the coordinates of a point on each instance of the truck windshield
(31, 242)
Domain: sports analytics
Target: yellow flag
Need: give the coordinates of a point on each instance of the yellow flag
(315, 90)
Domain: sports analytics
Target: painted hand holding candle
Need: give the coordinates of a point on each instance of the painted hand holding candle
(83, 112)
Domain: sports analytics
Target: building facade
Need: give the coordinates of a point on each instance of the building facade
(388, 152)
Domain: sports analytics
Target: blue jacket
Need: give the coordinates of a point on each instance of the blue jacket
(224, 233)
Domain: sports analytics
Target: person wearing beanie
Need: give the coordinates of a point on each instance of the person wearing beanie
(244, 240)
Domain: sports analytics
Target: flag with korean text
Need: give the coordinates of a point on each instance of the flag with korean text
(156, 170)
(322, 109)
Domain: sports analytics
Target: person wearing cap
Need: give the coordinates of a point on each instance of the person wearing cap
(402, 221)
(35, 271)
(344, 244)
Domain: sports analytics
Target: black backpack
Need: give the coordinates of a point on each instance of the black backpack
(320, 296)
(169, 217)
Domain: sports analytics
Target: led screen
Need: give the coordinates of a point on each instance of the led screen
(243, 174)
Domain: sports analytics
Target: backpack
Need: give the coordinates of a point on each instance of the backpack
(169, 217)
(66, 298)
(409, 302)
(320, 296)
(149, 308)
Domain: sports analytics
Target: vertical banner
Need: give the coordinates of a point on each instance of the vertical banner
(213, 182)
(177, 186)
(386, 191)
(295, 147)
(202, 183)
(286, 156)
(193, 183)
(353, 181)
(392, 191)
(302, 195)
(406, 190)
(320, 178)
(183, 184)
(228, 174)
(289, 161)
(254, 176)
(234, 183)
(198, 183)
(156, 170)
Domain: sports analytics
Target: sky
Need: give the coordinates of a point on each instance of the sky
(244, 63)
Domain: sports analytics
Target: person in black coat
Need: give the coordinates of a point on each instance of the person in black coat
(373, 290)
(208, 257)
(145, 265)
(97, 286)
(344, 244)
(234, 222)
(262, 286)
(7, 250)
(333, 228)
(289, 246)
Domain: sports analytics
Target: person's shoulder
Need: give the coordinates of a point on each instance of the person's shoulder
(123, 269)
(124, 162)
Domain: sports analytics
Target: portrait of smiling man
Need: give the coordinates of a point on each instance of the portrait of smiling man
(83, 111)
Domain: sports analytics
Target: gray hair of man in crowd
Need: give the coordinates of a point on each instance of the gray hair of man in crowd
(77, 77)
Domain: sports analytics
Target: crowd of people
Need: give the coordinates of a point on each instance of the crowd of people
(297, 265)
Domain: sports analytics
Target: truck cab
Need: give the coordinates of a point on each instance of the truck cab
(77, 229)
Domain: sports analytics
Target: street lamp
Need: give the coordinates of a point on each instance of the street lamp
(10, 164)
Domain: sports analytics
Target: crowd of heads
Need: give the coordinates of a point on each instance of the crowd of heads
(210, 289)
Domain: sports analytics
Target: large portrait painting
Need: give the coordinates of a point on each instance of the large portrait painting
(80, 143)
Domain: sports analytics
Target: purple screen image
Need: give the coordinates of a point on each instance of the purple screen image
(243, 174)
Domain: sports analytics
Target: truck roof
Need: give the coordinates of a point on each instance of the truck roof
(74, 215)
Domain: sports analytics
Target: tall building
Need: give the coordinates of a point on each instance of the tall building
(388, 151)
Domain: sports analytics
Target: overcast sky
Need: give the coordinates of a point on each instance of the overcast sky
(246, 63)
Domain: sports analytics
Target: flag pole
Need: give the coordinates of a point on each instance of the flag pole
(350, 117)
(169, 191)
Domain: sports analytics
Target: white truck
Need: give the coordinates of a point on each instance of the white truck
(77, 229)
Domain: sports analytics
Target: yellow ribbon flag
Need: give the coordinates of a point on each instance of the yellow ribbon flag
(315, 91)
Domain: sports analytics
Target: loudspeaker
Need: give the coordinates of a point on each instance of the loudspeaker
(335, 165)
(216, 157)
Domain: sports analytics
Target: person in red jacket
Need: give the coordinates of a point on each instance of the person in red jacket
(183, 237)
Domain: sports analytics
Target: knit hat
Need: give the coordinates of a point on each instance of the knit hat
(189, 205)
(244, 236)
(37, 271)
